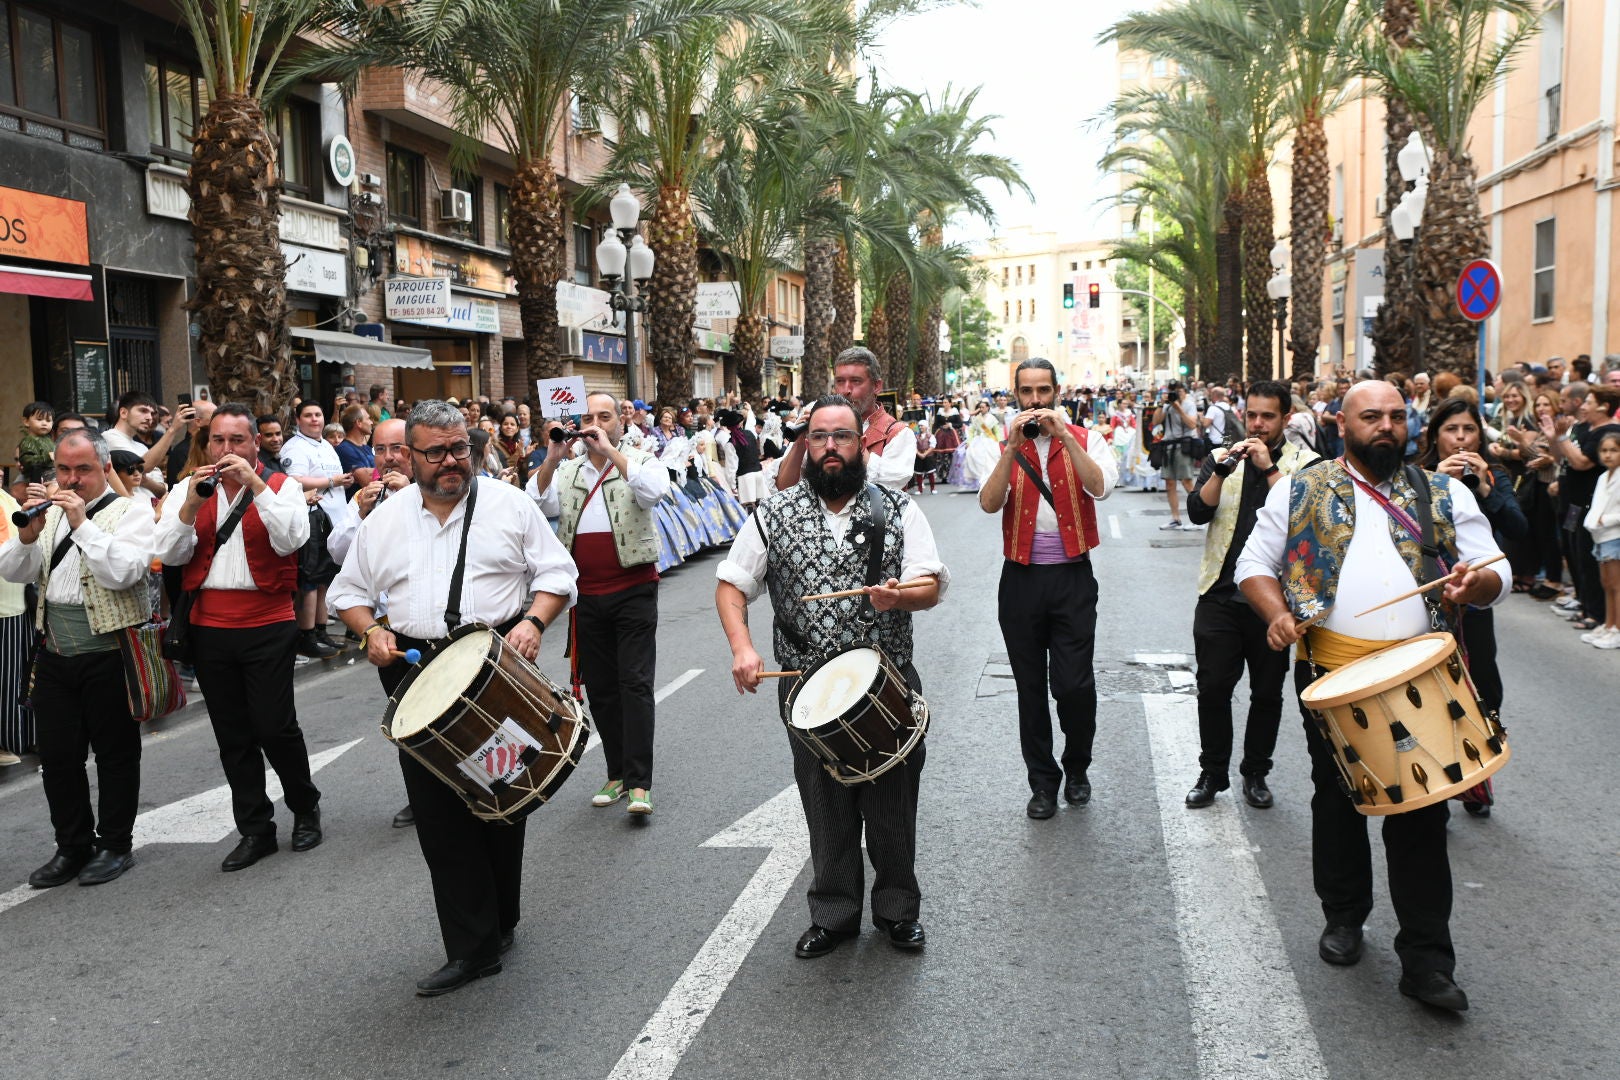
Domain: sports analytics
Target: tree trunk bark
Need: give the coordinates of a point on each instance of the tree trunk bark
(536, 231)
(1309, 197)
(748, 349)
(672, 295)
(930, 381)
(877, 335)
(1225, 358)
(1258, 236)
(897, 371)
(842, 335)
(1453, 235)
(820, 271)
(1394, 327)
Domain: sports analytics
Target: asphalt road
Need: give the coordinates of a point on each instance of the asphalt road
(1128, 938)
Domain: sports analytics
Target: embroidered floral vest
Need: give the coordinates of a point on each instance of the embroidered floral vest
(635, 533)
(1218, 540)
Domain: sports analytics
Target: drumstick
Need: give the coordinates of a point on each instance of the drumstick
(1435, 584)
(919, 583)
(410, 656)
(780, 674)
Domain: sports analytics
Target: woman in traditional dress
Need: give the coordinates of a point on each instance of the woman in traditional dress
(984, 436)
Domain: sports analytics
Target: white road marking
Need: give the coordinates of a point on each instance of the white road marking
(1113, 527)
(658, 699)
(778, 825)
(1228, 933)
(204, 818)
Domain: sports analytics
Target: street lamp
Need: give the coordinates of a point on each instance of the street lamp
(624, 291)
(1280, 287)
(1407, 218)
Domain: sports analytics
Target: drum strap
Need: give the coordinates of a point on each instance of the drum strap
(452, 607)
(874, 558)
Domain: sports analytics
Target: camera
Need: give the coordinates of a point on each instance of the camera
(1228, 465)
(1031, 429)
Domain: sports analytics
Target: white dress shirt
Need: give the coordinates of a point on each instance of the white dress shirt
(302, 456)
(648, 480)
(893, 468)
(744, 566)
(1098, 450)
(403, 553)
(117, 440)
(118, 560)
(1372, 570)
(285, 518)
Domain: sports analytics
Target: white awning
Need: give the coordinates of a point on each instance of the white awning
(332, 347)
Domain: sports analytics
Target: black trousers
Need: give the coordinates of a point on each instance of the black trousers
(836, 814)
(81, 704)
(617, 637)
(1227, 636)
(1479, 640)
(476, 866)
(1545, 533)
(1048, 618)
(1414, 851)
(246, 677)
(1587, 574)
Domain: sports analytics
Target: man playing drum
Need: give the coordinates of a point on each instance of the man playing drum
(407, 550)
(1306, 560)
(821, 535)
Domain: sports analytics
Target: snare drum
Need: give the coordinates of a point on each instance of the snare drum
(1405, 726)
(487, 722)
(855, 711)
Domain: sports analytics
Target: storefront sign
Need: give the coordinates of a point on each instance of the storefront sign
(602, 349)
(718, 300)
(581, 307)
(469, 313)
(712, 340)
(787, 348)
(91, 377)
(324, 273)
(470, 269)
(413, 299)
(340, 159)
(43, 227)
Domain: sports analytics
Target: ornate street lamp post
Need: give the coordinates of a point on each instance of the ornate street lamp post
(624, 292)
(1280, 287)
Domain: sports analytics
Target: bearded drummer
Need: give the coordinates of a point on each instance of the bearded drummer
(408, 550)
(818, 536)
(1338, 538)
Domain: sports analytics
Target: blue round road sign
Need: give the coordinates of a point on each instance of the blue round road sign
(1479, 290)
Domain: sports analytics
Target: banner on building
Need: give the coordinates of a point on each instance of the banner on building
(43, 227)
(718, 300)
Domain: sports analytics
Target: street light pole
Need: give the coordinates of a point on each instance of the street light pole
(1280, 287)
(624, 292)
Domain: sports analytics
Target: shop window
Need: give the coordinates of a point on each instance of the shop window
(50, 78)
(584, 252)
(503, 214)
(1543, 283)
(405, 186)
(297, 131)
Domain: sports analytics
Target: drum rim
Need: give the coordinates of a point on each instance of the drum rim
(793, 694)
(412, 675)
(1373, 689)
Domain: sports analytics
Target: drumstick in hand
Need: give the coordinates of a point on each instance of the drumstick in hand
(1435, 584)
(410, 656)
(919, 583)
(780, 674)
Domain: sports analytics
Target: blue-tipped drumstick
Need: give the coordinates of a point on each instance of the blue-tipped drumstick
(410, 656)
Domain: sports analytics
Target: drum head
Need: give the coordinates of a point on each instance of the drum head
(1379, 671)
(441, 681)
(833, 689)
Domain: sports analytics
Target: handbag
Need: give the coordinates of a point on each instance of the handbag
(1157, 453)
(153, 685)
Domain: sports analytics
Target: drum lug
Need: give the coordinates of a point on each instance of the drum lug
(1470, 751)
(1358, 716)
(1454, 668)
(1413, 696)
(1369, 792)
(1421, 775)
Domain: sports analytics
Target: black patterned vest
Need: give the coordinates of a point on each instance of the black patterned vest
(803, 558)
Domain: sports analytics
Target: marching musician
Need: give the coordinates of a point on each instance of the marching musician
(89, 555)
(891, 446)
(1306, 559)
(418, 550)
(818, 536)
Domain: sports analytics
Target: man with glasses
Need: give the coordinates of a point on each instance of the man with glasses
(407, 552)
(891, 446)
(821, 535)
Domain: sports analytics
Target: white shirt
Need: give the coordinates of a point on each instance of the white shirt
(744, 565)
(893, 468)
(403, 553)
(302, 456)
(1098, 450)
(1372, 570)
(285, 518)
(118, 560)
(648, 480)
(1220, 414)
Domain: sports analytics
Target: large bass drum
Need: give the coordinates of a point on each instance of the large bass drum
(855, 711)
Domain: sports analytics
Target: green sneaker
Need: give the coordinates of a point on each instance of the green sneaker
(640, 804)
(611, 792)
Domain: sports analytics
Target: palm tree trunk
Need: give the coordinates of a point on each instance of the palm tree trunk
(1192, 319)
(897, 372)
(1308, 226)
(672, 294)
(877, 335)
(1395, 326)
(1258, 236)
(842, 335)
(1225, 357)
(930, 380)
(241, 303)
(748, 350)
(820, 271)
(536, 232)
(1453, 235)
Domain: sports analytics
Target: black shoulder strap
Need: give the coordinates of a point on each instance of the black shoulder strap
(452, 609)
(874, 559)
(1040, 485)
(244, 499)
(63, 545)
(1425, 517)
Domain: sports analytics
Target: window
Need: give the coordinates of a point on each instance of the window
(297, 131)
(1032, 311)
(50, 78)
(1551, 78)
(473, 185)
(1020, 350)
(1032, 273)
(1543, 284)
(503, 214)
(1006, 311)
(1020, 275)
(584, 243)
(176, 98)
(1088, 264)
(1020, 311)
(405, 186)
(1074, 266)
(1129, 72)
(1006, 276)
(1161, 68)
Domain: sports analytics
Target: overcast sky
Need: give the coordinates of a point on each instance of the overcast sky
(1043, 74)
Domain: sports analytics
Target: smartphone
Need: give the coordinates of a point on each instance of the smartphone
(185, 399)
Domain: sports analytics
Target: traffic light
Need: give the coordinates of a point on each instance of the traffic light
(1068, 296)
(1094, 294)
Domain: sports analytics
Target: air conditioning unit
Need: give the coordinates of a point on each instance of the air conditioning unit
(1338, 234)
(583, 118)
(1380, 205)
(570, 341)
(456, 205)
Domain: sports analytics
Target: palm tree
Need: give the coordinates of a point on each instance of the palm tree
(1394, 326)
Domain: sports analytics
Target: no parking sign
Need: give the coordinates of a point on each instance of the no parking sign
(1479, 290)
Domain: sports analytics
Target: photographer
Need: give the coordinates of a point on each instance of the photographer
(1180, 432)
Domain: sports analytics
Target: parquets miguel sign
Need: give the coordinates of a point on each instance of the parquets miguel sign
(43, 227)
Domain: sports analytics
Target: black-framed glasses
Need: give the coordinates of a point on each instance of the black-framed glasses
(843, 437)
(461, 451)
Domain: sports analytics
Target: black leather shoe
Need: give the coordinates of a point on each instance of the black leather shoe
(907, 934)
(306, 831)
(1042, 805)
(249, 851)
(1340, 945)
(819, 941)
(507, 937)
(62, 869)
(1256, 793)
(326, 639)
(405, 818)
(1477, 809)
(455, 975)
(1077, 790)
(1435, 988)
(105, 866)
(1203, 792)
(313, 647)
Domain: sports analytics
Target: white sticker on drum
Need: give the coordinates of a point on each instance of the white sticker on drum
(502, 757)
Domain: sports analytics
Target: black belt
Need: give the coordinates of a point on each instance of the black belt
(425, 645)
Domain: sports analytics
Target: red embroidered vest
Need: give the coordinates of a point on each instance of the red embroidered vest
(880, 427)
(272, 573)
(1076, 509)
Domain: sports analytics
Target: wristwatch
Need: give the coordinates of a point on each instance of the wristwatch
(538, 625)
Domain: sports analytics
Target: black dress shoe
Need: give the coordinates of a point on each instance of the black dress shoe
(405, 818)
(306, 830)
(906, 934)
(1435, 988)
(1340, 945)
(1042, 805)
(819, 941)
(105, 866)
(1256, 793)
(249, 851)
(507, 937)
(1203, 792)
(62, 868)
(455, 975)
(1077, 790)
(313, 647)
(1477, 809)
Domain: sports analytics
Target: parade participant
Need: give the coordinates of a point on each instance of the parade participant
(480, 576)
(314, 463)
(1227, 636)
(985, 436)
(614, 541)
(891, 445)
(1306, 559)
(393, 462)
(741, 451)
(89, 563)
(1046, 488)
(16, 648)
(239, 550)
(816, 537)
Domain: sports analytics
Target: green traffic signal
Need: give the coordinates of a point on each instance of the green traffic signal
(1068, 296)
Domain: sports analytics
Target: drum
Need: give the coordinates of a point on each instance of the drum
(855, 711)
(488, 723)
(1405, 726)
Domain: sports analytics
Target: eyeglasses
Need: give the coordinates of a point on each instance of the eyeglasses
(843, 437)
(392, 448)
(461, 451)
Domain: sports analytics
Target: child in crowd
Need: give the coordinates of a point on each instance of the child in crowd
(1603, 522)
(35, 452)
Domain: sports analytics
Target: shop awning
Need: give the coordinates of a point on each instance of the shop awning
(55, 284)
(332, 347)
